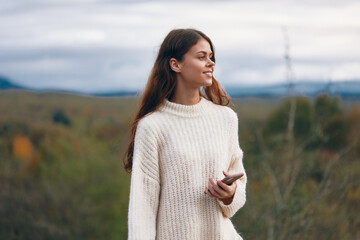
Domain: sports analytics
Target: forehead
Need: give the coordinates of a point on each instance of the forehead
(201, 46)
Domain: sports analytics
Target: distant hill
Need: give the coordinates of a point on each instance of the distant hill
(5, 83)
(115, 94)
(343, 89)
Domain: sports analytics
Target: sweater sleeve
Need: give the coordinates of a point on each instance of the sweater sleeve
(144, 186)
(236, 166)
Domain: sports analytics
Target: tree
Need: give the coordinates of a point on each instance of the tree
(59, 117)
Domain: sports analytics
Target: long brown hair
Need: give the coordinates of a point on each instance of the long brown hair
(162, 80)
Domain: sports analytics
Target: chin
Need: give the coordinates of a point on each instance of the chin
(208, 83)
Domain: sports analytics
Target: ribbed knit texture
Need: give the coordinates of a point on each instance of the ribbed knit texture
(177, 148)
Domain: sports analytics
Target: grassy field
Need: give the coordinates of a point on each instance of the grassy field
(61, 174)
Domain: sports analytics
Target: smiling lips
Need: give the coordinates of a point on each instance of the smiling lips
(208, 73)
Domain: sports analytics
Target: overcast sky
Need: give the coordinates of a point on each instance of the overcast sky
(93, 45)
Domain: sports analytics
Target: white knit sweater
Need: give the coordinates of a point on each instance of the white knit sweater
(176, 149)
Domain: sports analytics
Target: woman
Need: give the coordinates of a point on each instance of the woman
(182, 140)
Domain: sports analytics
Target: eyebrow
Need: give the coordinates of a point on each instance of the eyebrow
(204, 52)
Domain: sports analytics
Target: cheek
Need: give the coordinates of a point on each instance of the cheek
(196, 67)
(193, 69)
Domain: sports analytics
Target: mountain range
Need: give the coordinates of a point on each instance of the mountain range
(344, 89)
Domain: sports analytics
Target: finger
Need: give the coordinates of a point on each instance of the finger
(217, 191)
(209, 193)
(232, 187)
(207, 189)
(224, 186)
(220, 192)
(214, 193)
(225, 173)
(212, 186)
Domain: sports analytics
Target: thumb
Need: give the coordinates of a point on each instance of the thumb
(226, 173)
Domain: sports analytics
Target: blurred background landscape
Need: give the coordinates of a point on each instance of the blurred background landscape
(70, 78)
(61, 174)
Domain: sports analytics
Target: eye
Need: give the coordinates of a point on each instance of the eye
(201, 57)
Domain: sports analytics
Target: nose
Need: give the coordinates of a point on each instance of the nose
(210, 63)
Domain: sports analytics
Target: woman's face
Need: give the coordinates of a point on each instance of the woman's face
(197, 68)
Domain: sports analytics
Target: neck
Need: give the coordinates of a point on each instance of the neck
(186, 95)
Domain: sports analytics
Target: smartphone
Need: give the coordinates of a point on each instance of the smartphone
(232, 178)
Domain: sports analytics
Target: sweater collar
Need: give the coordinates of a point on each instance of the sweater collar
(185, 110)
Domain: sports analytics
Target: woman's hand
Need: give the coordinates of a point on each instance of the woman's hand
(220, 190)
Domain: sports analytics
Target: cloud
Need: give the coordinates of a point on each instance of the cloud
(92, 44)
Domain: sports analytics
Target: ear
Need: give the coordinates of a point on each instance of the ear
(175, 65)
